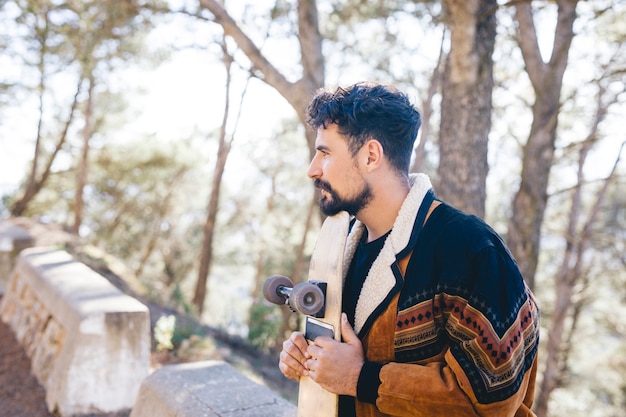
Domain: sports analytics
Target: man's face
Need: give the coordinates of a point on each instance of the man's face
(336, 173)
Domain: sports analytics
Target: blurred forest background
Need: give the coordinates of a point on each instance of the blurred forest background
(169, 135)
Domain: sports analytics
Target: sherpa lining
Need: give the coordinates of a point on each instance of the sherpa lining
(380, 279)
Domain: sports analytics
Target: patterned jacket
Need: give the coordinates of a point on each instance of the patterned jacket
(448, 325)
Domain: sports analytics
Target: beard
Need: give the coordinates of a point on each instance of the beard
(333, 204)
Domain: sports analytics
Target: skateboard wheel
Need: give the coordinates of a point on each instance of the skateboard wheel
(272, 286)
(306, 298)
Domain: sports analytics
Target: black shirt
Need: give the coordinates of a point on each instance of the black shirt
(366, 253)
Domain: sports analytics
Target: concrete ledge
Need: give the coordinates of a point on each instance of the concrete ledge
(89, 343)
(207, 389)
(13, 239)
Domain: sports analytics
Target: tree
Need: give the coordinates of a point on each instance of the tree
(36, 18)
(111, 26)
(586, 231)
(467, 86)
(79, 36)
(572, 272)
(135, 212)
(225, 143)
(83, 161)
(420, 152)
(546, 78)
(296, 93)
(280, 228)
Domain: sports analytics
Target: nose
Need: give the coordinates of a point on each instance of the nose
(314, 170)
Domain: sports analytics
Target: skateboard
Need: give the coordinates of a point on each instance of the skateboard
(319, 299)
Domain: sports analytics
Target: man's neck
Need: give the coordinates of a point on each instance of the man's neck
(381, 212)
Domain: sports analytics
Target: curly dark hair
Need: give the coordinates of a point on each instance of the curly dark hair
(365, 111)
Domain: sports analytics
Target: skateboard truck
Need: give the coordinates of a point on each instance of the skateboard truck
(307, 298)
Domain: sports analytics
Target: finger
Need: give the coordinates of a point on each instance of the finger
(311, 365)
(295, 348)
(314, 351)
(288, 372)
(347, 332)
(291, 367)
(322, 341)
(300, 342)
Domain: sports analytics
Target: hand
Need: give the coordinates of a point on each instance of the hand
(336, 366)
(294, 356)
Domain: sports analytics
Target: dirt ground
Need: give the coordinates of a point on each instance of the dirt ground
(20, 393)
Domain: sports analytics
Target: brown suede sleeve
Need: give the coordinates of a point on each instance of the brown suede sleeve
(442, 389)
(421, 390)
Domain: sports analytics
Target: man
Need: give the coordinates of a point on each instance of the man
(437, 318)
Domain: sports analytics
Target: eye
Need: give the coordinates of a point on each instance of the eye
(321, 152)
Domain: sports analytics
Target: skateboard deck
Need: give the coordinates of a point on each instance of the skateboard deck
(319, 299)
(326, 266)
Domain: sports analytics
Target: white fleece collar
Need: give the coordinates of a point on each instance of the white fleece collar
(380, 279)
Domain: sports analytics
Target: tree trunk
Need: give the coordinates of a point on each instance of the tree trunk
(83, 163)
(35, 184)
(206, 253)
(570, 273)
(19, 207)
(299, 93)
(530, 201)
(466, 104)
(427, 111)
(162, 210)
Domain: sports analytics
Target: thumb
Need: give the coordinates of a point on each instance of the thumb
(347, 332)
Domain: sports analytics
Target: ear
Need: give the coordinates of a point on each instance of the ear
(373, 154)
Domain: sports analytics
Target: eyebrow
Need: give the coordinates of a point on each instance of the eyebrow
(322, 148)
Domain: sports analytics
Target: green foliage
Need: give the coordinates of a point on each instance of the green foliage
(265, 324)
(179, 301)
(134, 199)
(184, 331)
(170, 334)
(197, 348)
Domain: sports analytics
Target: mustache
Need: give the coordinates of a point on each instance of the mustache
(322, 185)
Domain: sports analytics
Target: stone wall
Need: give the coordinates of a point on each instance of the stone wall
(207, 389)
(13, 239)
(89, 343)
